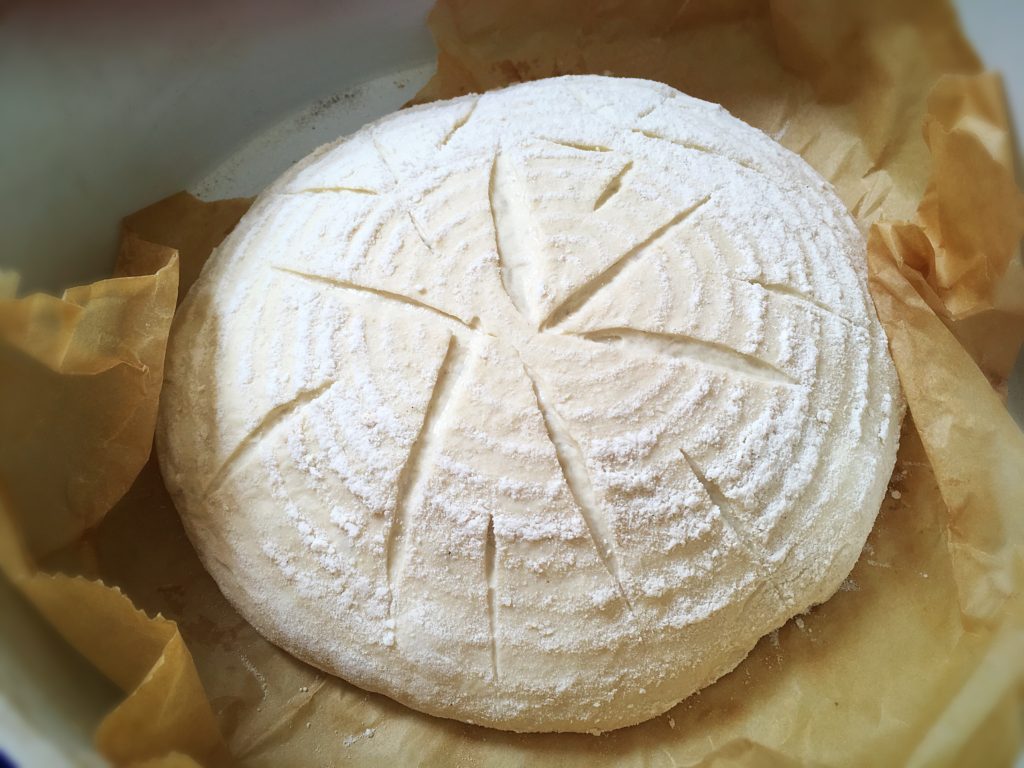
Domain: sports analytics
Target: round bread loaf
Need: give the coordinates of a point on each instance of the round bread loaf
(535, 409)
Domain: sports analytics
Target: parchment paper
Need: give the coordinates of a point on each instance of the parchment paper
(79, 382)
(918, 660)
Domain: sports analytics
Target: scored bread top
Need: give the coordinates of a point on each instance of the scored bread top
(534, 409)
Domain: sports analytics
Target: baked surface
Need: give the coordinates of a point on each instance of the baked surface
(535, 409)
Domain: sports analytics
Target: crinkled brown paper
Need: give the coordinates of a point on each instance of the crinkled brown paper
(919, 660)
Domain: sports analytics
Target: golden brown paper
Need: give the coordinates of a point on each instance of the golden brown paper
(87, 368)
(182, 222)
(79, 384)
(919, 658)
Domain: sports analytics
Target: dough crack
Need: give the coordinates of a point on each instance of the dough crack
(491, 579)
(415, 472)
(753, 549)
(512, 230)
(272, 418)
(613, 186)
(795, 295)
(577, 478)
(406, 208)
(596, 108)
(379, 293)
(696, 147)
(329, 190)
(459, 124)
(582, 293)
(578, 145)
(707, 353)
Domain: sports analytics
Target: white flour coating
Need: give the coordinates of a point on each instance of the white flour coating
(535, 409)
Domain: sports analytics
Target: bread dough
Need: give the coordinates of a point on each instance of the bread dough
(535, 409)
